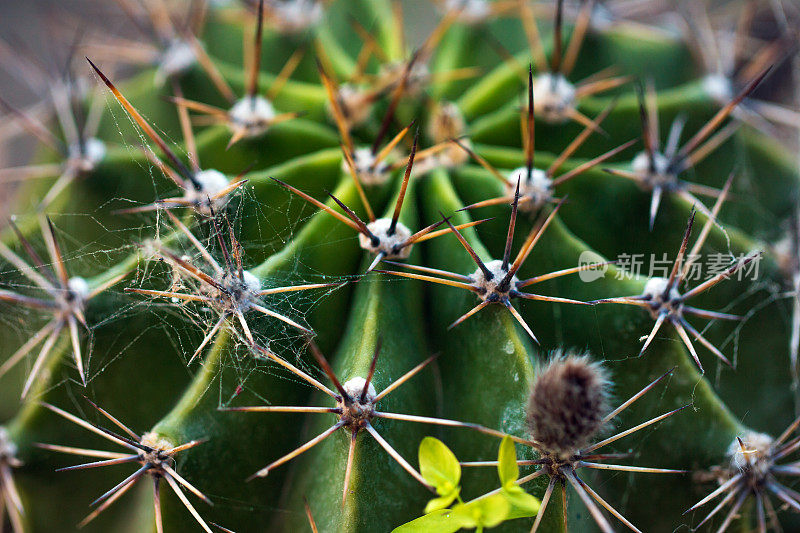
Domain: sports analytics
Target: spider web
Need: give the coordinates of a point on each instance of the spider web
(182, 324)
(194, 320)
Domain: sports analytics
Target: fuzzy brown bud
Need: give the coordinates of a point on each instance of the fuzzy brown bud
(567, 404)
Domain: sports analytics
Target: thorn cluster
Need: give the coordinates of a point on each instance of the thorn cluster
(64, 300)
(154, 454)
(662, 298)
(555, 97)
(658, 169)
(356, 406)
(171, 46)
(204, 190)
(78, 116)
(386, 238)
(229, 289)
(731, 57)
(568, 408)
(10, 500)
(496, 282)
(251, 115)
(536, 186)
(753, 468)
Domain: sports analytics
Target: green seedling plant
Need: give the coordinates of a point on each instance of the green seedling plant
(440, 467)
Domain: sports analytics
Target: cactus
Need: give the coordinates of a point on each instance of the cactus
(308, 256)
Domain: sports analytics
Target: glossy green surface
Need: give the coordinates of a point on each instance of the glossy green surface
(137, 348)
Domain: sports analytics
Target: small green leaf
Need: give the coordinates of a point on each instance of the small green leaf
(484, 512)
(507, 463)
(443, 501)
(439, 466)
(522, 504)
(442, 521)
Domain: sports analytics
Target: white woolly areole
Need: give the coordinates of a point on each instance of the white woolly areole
(641, 163)
(177, 58)
(211, 183)
(789, 263)
(419, 76)
(490, 285)
(450, 156)
(538, 189)
(355, 386)
(447, 123)
(756, 455)
(354, 105)
(252, 283)
(380, 228)
(8, 450)
(392, 74)
(252, 113)
(553, 97)
(94, 150)
(238, 293)
(718, 87)
(364, 161)
(78, 287)
(295, 15)
(655, 287)
(602, 18)
(469, 11)
(150, 248)
(152, 440)
(783, 246)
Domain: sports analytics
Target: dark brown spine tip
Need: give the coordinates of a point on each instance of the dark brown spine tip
(567, 404)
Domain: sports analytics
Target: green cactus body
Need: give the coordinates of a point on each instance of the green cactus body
(136, 348)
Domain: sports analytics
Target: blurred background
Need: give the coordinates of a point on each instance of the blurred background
(48, 30)
(40, 27)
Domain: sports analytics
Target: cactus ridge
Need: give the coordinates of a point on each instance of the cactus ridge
(324, 169)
